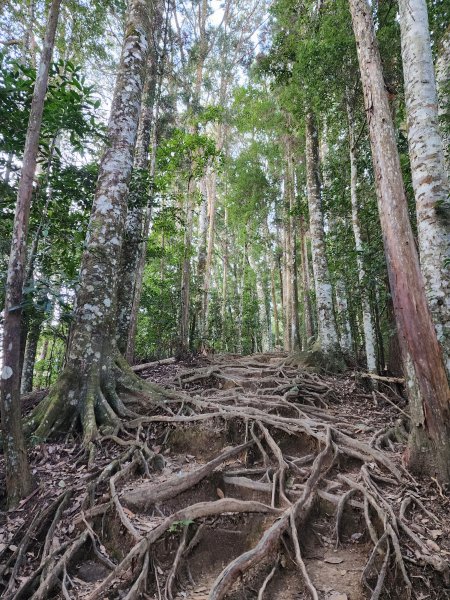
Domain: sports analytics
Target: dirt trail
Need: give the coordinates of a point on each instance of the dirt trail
(252, 479)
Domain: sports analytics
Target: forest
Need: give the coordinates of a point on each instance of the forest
(225, 295)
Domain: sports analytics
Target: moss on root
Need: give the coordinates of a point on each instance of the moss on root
(90, 402)
(316, 359)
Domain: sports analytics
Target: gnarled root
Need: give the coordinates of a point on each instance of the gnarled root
(92, 401)
(291, 456)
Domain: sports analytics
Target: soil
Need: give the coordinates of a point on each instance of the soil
(178, 502)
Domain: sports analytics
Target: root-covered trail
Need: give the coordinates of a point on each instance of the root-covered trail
(255, 479)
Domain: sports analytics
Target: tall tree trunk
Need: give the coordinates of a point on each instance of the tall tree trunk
(30, 356)
(139, 279)
(443, 90)
(429, 175)
(344, 331)
(295, 342)
(287, 282)
(202, 275)
(274, 303)
(240, 315)
(140, 198)
(87, 386)
(262, 311)
(225, 278)
(184, 341)
(211, 193)
(429, 443)
(137, 204)
(328, 337)
(306, 284)
(194, 104)
(369, 334)
(18, 478)
(291, 321)
(29, 46)
(264, 316)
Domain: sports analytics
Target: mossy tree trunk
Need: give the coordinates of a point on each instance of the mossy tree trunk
(86, 389)
(367, 321)
(140, 196)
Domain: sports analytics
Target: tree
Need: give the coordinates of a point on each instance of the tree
(429, 176)
(429, 443)
(86, 388)
(324, 293)
(443, 90)
(18, 477)
(140, 196)
(367, 322)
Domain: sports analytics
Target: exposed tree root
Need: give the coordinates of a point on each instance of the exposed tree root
(92, 401)
(289, 450)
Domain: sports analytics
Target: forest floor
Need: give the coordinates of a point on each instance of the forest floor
(258, 480)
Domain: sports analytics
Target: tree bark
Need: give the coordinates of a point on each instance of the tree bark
(328, 337)
(275, 304)
(429, 176)
(264, 316)
(290, 293)
(202, 275)
(185, 298)
(211, 194)
(241, 290)
(287, 283)
(86, 387)
(30, 357)
(18, 477)
(139, 198)
(306, 285)
(343, 322)
(368, 329)
(443, 90)
(134, 226)
(225, 279)
(429, 443)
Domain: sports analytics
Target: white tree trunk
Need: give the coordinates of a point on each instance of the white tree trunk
(324, 292)
(184, 340)
(306, 285)
(264, 317)
(429, 177)
(369, 332)
(344, 330)
(443, 90)
(345, 333)
(210, 181)
(225, 280)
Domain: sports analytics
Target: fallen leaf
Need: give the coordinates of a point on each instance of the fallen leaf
(220, 493)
